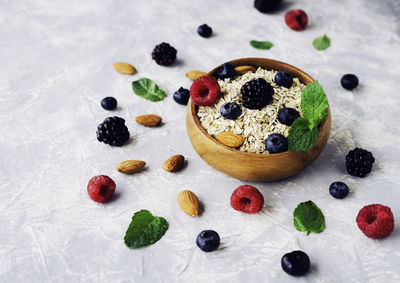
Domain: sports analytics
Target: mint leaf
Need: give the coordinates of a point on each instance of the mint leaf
(261, 44)
(148, 89)
(314, 104)
(300, 136)
(322, 43)
(309, 218)
(144, 230)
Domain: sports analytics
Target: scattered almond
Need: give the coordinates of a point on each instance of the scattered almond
(240, 70)
(230, 139)
(189, 203)
(174, 163)
(193, 75)
(149, 120)
(124, 68)
(130, 166)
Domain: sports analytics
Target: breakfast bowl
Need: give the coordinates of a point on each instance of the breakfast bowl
(255, 166)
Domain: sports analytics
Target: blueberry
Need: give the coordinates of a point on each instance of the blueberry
(349, 81)
(226, 70)
(287, 115)
(265, 6)
(296, 263)
(208, 240)
(284, 79)
(276, 143)
(338, 190)
(181, 96)
(204, 30)
(230, 110)
(109, 103)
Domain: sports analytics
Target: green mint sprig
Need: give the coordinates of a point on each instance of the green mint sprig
(307, 217)
(265, 45)
(322, 43)
(148, 89)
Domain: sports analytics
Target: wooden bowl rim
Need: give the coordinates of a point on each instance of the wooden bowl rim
(235, 63)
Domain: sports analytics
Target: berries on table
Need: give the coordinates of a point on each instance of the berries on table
(204, 91)
(204, 30)
(208, 240)
(349, 81)
(265, 6)
(283, 78)
(113, 131)
(296, 19)
(375, 221)
(276, 143)
(256, 94)
(296, 263)
(230, 110)
(226, 70)
(182, 96)
(100, 188)
(247, 198)
(359, 162)
(164, 54)
(109, 103)
(338, 190)
(287, 115)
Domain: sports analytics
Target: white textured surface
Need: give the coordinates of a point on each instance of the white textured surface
(55, 67)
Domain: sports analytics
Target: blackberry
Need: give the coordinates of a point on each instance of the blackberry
(113, 131)
(359, 162)
(164, 54)
(256, 94)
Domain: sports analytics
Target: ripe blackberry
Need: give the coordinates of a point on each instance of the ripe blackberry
(256, 94)
(113, 131)
(359, 162)
(164, 54)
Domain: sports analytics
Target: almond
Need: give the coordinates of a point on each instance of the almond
(130, 166)
(189, 203)
(230, 139)
(193, 75)
(174, 163)
(124, 68)
(149, 120)
(240, 70)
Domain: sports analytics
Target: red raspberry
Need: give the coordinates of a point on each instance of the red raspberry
(204, 91)
(247, 199)
(296, 19)
(100, 188)
(375, 221)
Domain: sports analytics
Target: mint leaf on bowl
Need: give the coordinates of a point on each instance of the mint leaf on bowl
(265, 45)
(307, 217)
(148, 89)
(144, 230)
(314, 104)
(322, 43)
(300, 136)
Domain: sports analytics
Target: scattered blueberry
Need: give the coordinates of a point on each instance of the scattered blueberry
(349, 81)
(226, 70)
(296, 263)
(338, 190)
(230, 110)
(208, 240)
(181, 96)
(284, 79)
(276, 143)
(204, 30)
(287, 115)
(109, 103)
(265, 6)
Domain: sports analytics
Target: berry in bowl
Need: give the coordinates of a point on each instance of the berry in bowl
(258, 119)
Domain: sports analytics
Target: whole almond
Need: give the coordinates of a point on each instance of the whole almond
(124, 68)
(230, 139)
(193, 75)
(174, 163)
(149, 120)
(130, 166)
(240, 70)
(189, 203)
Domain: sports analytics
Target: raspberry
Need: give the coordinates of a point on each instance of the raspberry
(100, 188)
(256, 93)
(204, 91)
(164, 54)
(113, 131)
(247, 198)
(296, 19)
(375, 221)
(359, 162)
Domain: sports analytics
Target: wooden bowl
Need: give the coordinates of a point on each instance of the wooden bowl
(254, 166)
